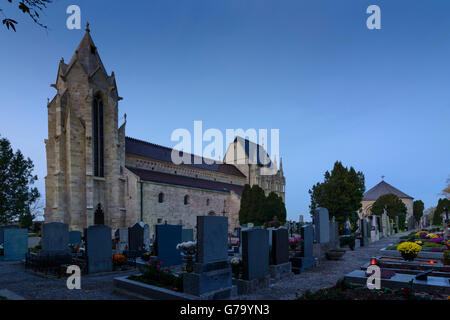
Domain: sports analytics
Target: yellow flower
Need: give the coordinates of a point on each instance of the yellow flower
(409, 247)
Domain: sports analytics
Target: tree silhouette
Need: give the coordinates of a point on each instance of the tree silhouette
(29, 7)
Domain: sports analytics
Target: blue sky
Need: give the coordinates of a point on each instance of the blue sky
(377, 100)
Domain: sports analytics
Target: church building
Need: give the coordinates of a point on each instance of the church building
(98, 175)
(382, 189)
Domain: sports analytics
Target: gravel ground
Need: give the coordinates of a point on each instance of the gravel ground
(29, 285)
(324, 276)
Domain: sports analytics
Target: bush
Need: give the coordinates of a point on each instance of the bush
(156, 275)
(446, 257)
(347, 240)
(433, 245)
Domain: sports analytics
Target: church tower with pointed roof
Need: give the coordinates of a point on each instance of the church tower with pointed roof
(85, 148)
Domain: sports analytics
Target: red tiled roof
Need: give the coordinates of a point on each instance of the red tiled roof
(162, 177)
(154, 151)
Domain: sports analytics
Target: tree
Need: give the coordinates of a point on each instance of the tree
(446, 191)
(258, 198)
(437, 216)
(418, 207)
(401, 221)
(341, 192)
(391, 202)
(244, 211)
(26, 219)
(16, 179)
(29, 7)
(274, 207)
(259, 209)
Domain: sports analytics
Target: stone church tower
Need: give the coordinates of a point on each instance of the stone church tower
(85, 148)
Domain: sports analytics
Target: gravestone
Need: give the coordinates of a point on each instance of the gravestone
(212, 277)
(146, 237)
(321, 225)
(135, 237)
(55, 238)
(255, 254)
(15, 244)
(98, 248)
(271, 234)
(74, 237)
(280, 246)
(334, 235)
(167, 237)
(187, 235)
(2, 232)
(365, 233)
(307, 261)
(122, 235)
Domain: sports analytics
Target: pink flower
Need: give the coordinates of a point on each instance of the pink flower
(158, 266)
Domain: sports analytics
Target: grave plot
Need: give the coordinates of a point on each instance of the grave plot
(209, 278)
(419, 265)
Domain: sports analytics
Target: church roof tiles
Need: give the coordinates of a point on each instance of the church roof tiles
(157, 152)
(381, 189)
(173, 179)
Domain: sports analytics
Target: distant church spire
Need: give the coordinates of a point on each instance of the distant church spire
(87, 27)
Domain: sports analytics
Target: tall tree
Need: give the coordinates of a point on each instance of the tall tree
(418, 207)
(28, 7)
(258, 198)
(244, 211)
(274, 207)
(437, 216)
(16, 179)
(341, 192)
(446, 191)
(391, 202)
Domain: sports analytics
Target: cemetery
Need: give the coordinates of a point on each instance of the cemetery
(210, 263)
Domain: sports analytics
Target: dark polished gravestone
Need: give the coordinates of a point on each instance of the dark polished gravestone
(365, 233)
(135, 237)
(15, 244)
(255, 253)
(212, 278)
(280, 246)
(322, 225)
(280, 266)
(167, 237)
(334, 235)
(187, 235)
(98, 248)
(74, 237)
(55, 237)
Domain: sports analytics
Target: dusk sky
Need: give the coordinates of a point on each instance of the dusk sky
(377, 100)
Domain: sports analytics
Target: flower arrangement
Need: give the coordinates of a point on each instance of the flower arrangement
(119, 260)
(155, 274)
(432, 236)
(437, 239)
(146, 256)
(422, 233)
(189, 248)
(409, 250)
(293, 243)
(236, 264)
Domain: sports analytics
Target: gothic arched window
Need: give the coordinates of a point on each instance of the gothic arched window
(97, 128)
(161, 197)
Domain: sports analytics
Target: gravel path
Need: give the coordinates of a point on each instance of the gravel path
(29, 285)
(324, 276)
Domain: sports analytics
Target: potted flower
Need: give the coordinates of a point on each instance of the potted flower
(236, 264)
(335, 254)
(189, 249)
(409, 250)
(119, 260)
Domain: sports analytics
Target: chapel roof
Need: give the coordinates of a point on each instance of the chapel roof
(381, 189)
